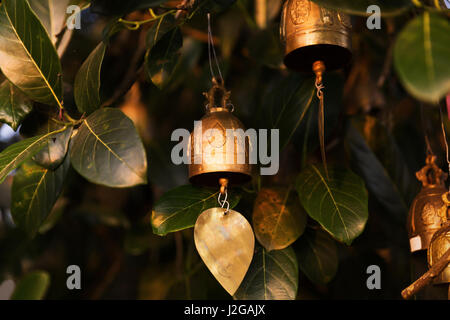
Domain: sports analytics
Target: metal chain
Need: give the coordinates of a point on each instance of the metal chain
(224, 202)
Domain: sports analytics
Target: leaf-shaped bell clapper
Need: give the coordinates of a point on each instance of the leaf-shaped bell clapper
(424, 218)
(218, 147)
(312, 33)
(440, 243)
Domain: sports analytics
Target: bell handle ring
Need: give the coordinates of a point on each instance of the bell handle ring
(431, 175)
(218, 96)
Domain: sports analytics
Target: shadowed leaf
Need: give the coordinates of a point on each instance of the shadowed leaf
(32, 286)
(278, 218)
(14, 105)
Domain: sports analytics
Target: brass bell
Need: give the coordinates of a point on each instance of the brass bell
(440, 243)
(423, 218)
(217, 157)
(312, 33)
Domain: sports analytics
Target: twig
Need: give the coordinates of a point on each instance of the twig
(428, 276)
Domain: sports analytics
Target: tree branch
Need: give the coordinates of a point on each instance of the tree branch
(427, 277)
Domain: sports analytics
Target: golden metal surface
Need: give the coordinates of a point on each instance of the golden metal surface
(225, 243)
(440, 243)
(312, 33)
(424, 215)
(220, 154)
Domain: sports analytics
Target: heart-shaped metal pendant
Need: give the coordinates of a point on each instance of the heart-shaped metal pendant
(226, 243)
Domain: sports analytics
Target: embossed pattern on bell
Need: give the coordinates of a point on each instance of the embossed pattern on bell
(312, 33)
(440, 243)
(425, 213)
(222, 155)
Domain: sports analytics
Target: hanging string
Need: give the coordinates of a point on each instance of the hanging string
(445, 140)
(425, 130)
(319, 69)
(212, 52)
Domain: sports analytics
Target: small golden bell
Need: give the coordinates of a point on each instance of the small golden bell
(214, 151)
(312, 33)
(440, 243)
(423, 218)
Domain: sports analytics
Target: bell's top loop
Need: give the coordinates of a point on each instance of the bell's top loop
(431, 175)
(218, 96)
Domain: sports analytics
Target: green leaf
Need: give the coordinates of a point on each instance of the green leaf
(55, 150)
(339, 204)
(27, 56)
(32, 286)
(87, 81)
(34, 193)
(107, 150)
(286, 105)
(359, 7)
(272, 276)
(179, 208)
(52, 14)
(16, 154)
(378, 158)
(421, 57)
(319, 258)
(162, 59)
(278, 218)
(14, 106)
(120, 7)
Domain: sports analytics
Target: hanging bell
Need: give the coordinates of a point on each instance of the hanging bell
(440, 243)
(423, 218)
(217, 155)
(312, 33)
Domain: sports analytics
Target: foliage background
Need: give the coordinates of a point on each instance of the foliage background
(373, 126)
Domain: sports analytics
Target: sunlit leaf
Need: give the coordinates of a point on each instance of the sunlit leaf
(272, 276)
(421, 57)
(278, 218)
(27, 56)
(319, 259)
(33, 286)
(107, 150)
(34, 193)
(14, 105)
(179, 208)
(87, 81)
(52, 14)
(339, 204)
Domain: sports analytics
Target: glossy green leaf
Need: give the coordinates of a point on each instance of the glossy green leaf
(359, 7)
(107, 150)
(319, 258)
(54, 151)
(179, 208)
(33, 286)
(27, 56)
(380, 162)
(162, 59)
(52, 14)
(34, 193)
(87, 81)
(421, 57)
(272, 276)
(278, 218)
(339, 204)
(16, 154)
(14, 105)
(286, 105)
